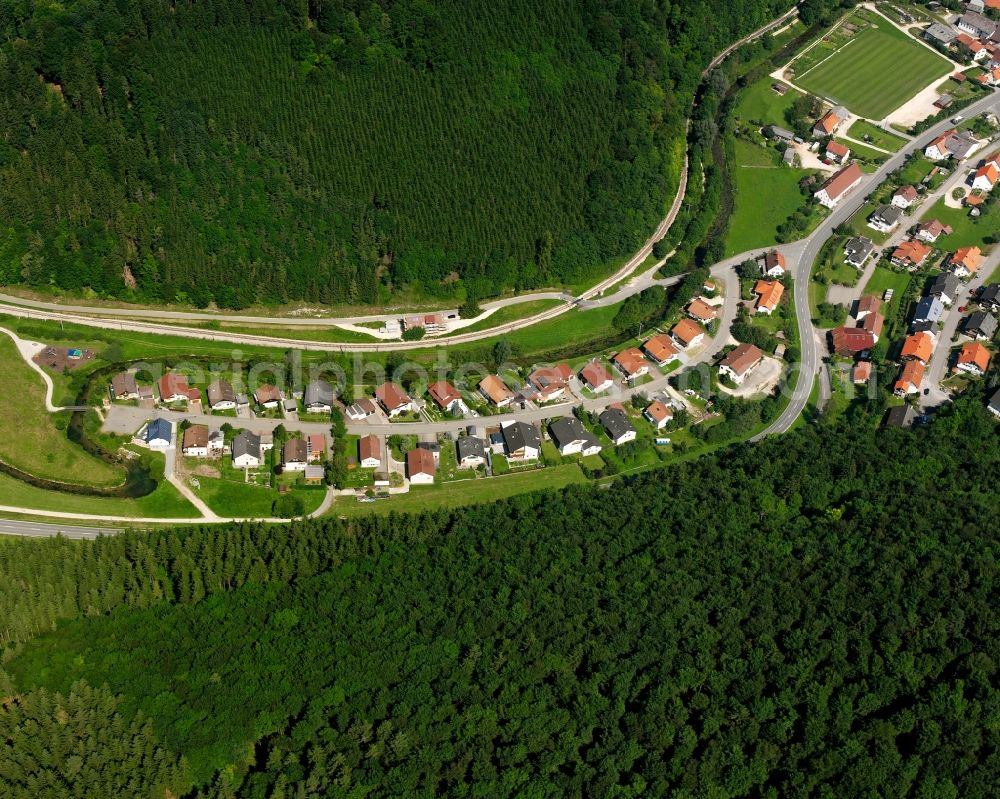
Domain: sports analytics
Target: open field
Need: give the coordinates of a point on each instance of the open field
(876, 136)
(34, 440)
(759, 103)
(228, 498)
(465, 492)
(766, 194)
(856, 74)
(884, 278)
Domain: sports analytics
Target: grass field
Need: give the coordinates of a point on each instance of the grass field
(861, 151)
(766, 194)
(883, 278)
(966, 230)
(228, 498)
(30, 436)
(875, 72)
(465, 492)
(876, 136)
(760, 103)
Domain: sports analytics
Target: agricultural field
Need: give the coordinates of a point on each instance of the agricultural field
(766, 193)
(874, 71)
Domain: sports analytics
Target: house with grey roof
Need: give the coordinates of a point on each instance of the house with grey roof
(941, 35)
(975, 24)
(246, 450)
(994, 405)
(980, 325)
(929, 309)
(617, 425)
(470, 451)
(989, 298)
(318, 397)
(781, 134)
(159, 434)
(521, 441)
(857, 250)
(884, 218)
(572, 438)
(945, 287)
(900, 416)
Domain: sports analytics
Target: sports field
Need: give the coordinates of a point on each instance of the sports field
(875, 72)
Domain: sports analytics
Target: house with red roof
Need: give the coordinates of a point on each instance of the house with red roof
(174, 387)
(973, 358)
(596, 377)
(447, 397)
(911, 377)
(393, 399)
(631, 363)
(837, 152)
(660, 349)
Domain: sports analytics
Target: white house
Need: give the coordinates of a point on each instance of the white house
(159, 434)
(572, 438)
(246, 450)
(838, 185)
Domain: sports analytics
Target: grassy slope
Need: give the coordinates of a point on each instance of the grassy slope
(29, 438)
(759, 103)
(767, 193)
(859, 74)
(967, 231)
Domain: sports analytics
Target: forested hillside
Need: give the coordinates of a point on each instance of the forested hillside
(815, 616)
(337, 151)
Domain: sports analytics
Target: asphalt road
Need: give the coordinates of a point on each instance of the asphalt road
(46, 530)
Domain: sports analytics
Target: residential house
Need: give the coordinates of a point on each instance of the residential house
(572, 438)
(246, 449)
(827, 124)
(929, 309)
(900, 416)
(836, 187)
(267, 396)
(216, 442)
(986, 177)
(431, 323)
(994, 405)
(174, 388)
(884, 218)
(857, 250)
(496, 391)
(940, 35)
(470, 452)
(290, 406)
(316, 447)
(850, 341)
(596, 377)
(918, 347)
(660, 349)
(981, 325)
(931, 230)
(911, 377)
(370, 452)
(991, 77)
(314, 474)
(788, 156)
(631, 363)
(701, 311)
(868, 304)
(768, 295)
(159, 434)
(945, 287)
(977, 25)
(318, 397)
(124, 386)
(910, 254)
(978, 6)
(617, 425)
(772, 264)
(295, 455)
(393, 399)
(521, 441)
(781, 134)
(989, 298)
(971, 48)
(973, 359)
(433, 447)
(447, 398)
(837, 152)
(873, 323)
(861, 373)
(221, 396)
(739, 362)
(687, 333)
(551, 382)
(195, 442)
(953, 144)
(965, 261)
(361, 410)
(659, 414)
(420, 466)
(904, 197)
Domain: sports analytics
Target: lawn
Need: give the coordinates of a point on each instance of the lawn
(861, 152)
(876, 136)
(967, 231)
(164, 502)
(34, 440)
(510, 313)
(759, 103)
(465, 492)
(884, 278)
(875, 72)
(766, 193)
(241, 500)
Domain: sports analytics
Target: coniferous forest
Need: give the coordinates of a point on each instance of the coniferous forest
(813, 616)
(341, 151)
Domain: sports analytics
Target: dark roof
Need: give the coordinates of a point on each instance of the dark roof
(566, 430)
(982, 323)
(889, 214)
(945, 283)
(470, 447)
(159, 428)
(900, 416)
(519, 435)
(990, 293)
(318, 392)
(928, 309)
(858, 246)
(124, 383)
(295, 451)
(616, 423)
(995, 402)
(220, 391)
(246, 443)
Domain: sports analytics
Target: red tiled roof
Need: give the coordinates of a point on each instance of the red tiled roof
(594, 374)
(862, 371)
(969, 257)
(919, 346)
(828, 122)
(911, 376)
(686, 331)
(851, 340)
(769, 292)
(370, 447)
(630, 361)
(495, 389)
(841, 181)
(657, 411)
(974, 353)
(391, 396)
(420, 461)
(443, 393)
(660, 348)
(838, 149)
(701, 310)
(912, 251)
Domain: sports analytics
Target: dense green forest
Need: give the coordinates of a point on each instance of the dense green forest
(337, 151)
(813, 616)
